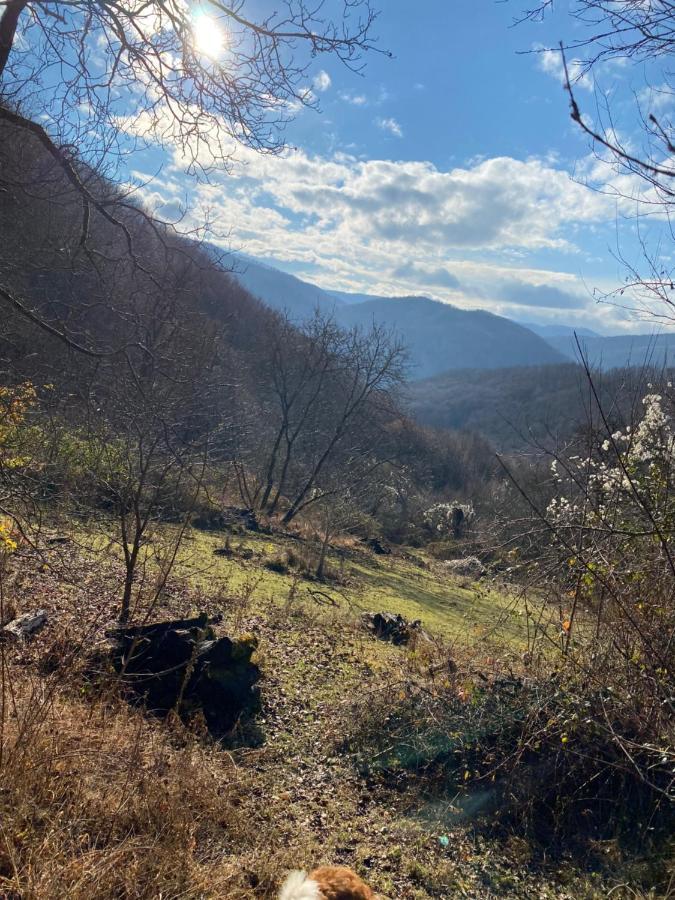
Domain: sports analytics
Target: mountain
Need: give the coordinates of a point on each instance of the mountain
(282, 291)
(553, 331)
(441, 337)
(346, 297)
(605, 353)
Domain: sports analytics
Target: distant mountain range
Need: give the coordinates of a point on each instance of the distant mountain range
(439, 337)
(555, 331)
(638, 350)
(444, 338)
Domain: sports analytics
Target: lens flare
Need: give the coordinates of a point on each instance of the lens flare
(208, 36)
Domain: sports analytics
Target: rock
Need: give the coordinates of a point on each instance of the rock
(183, 666)
(378, 547)
(24, 627)
(394, 627)
(210, 521)
(467, 567)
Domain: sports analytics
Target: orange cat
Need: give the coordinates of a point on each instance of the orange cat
(326, 883)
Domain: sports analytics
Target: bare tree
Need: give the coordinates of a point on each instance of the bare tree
(329, 396)
(372, 366)
(632, 33)
(100, 72)
(300, 363)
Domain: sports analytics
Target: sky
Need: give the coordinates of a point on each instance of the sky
(450, 169)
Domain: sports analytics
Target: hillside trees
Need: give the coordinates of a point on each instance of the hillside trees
(111, 78)
(330, 394)
(91, 83)
(139, 358)
(155, 424)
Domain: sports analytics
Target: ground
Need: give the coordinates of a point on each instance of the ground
(108, 802)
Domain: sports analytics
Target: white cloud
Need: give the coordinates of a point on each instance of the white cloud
(551, 63)
(354, 99)
(392, 227)
(497, 203)
(462, 235)
(390, 125)
(322, 81)
(657, 99)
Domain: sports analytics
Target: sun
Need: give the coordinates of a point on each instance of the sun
(208, 36)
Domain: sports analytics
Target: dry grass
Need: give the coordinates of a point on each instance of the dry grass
(99, 800)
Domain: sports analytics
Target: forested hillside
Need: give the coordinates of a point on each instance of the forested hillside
(525, 407)
(437, 336)
(441, 337)
(656, 350)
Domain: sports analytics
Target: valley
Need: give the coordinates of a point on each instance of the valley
(337, 450)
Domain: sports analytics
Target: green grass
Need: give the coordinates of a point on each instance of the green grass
(452, 608)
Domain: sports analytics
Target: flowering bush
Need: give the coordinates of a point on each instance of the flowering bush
(629, 481)
(448, 519)
(613, 527)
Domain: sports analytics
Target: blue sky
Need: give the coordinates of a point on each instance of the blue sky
(451, 170)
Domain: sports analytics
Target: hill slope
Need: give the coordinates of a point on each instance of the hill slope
(441, 337)
(515, 407)
(282, 291)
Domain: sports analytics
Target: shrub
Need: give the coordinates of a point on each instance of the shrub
(514, 755)
(288, 561)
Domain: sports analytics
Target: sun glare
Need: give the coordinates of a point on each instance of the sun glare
(208, 36)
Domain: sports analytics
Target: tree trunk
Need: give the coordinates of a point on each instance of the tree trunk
(282, 480)
(8, 25)
(130, 560)
(269, 481)
(322, 559)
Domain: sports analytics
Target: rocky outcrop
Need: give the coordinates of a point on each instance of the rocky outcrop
(182, 666)
(395, 628)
